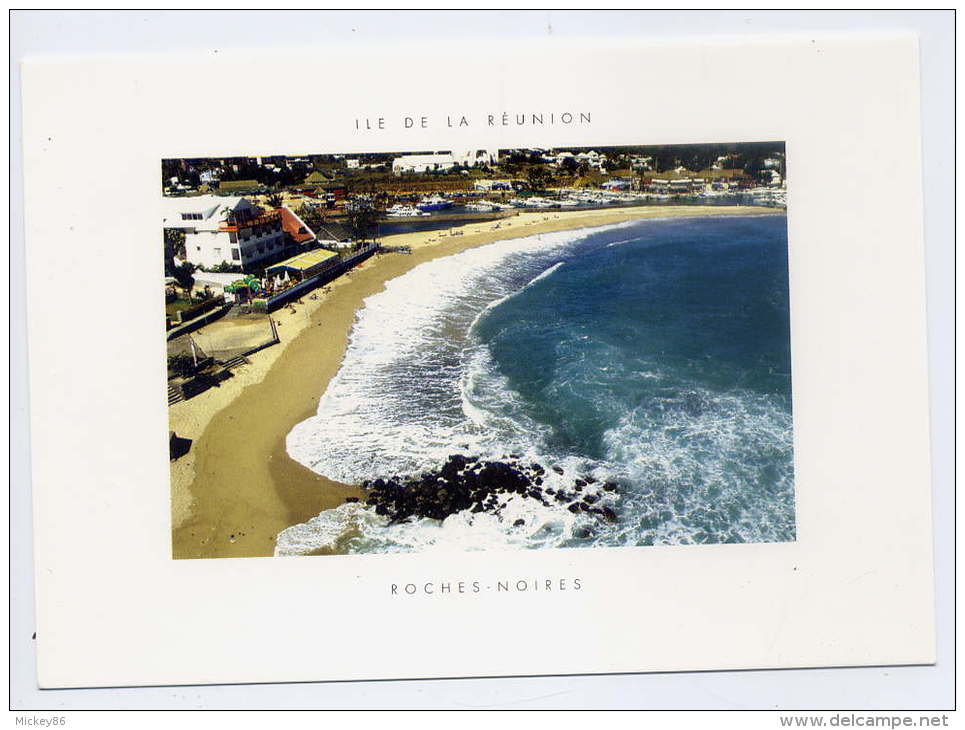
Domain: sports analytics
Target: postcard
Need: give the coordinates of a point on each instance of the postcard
(534, 339)
(564, 373)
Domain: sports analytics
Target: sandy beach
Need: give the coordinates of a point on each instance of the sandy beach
(237, 487)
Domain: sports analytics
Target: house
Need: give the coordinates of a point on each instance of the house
(225, 230)
(640, 163)
(301, 267)
(316, 178)
(423, 163)
(444, 161)
(725, 179)
(352, 164)
(296, 230)
(334, 235)
(492, 185)
(775, 177)
(676, 182)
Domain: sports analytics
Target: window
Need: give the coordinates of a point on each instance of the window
(217, 251)
(235, 255)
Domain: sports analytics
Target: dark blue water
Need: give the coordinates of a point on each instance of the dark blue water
(701, 305)
(655, 353)
(668, 351)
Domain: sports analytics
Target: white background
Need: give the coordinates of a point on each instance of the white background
(888, 687)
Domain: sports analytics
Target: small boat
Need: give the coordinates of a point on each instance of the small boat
(435, 202)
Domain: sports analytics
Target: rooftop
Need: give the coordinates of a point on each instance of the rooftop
(304, 261)
(204, 212)
(295, 227)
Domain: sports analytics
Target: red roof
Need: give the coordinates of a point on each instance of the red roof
(294, 227)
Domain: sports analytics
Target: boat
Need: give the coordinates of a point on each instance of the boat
(486, 206)
(435, 202)
(402, 211)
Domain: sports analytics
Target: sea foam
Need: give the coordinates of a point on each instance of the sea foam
(422, 379)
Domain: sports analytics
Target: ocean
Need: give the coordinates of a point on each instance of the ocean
(654, 353)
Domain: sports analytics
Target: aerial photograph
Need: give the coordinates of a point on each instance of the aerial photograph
(483, 349)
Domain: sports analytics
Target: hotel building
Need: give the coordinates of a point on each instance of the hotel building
(228, 230)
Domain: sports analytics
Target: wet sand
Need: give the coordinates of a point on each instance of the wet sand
(237, 487)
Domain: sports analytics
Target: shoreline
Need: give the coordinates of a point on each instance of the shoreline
(237, 487)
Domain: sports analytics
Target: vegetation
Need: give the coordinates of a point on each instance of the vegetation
(225, 268)
(538, 176)
(173, 246)
(312, 215)
(363, 216)
(184, 274)
(181, 365)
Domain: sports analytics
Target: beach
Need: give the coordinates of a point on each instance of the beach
(237, 488)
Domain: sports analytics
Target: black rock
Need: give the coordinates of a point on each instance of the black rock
(466, 483)
(519, 523)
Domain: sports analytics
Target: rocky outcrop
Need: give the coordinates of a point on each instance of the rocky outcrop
(466, 483)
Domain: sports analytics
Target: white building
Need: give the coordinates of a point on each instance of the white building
(443, 161)
(352, 164)
(639, 162)
(492, 185)
(224, 230)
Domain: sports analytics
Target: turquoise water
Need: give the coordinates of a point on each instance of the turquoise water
(656, 354)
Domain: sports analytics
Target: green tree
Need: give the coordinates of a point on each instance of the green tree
(184, 275)
(173, 246)
(538, 177)
(363, 217)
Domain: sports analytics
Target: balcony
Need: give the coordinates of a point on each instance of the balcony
(265, 219)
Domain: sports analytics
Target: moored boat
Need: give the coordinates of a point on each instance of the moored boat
(402, 211)
(436, 202)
